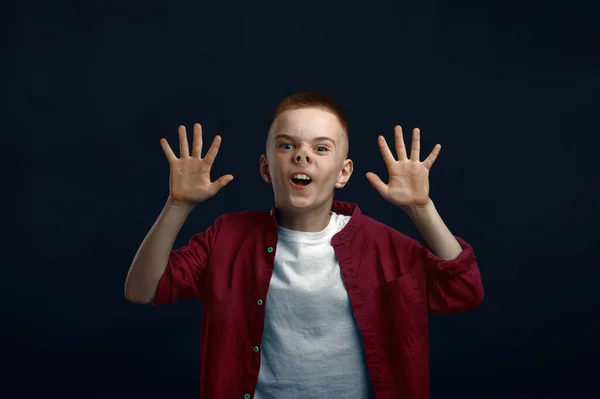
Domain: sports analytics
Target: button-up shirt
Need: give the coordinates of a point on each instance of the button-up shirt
(393, 283)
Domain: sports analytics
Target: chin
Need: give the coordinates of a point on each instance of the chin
(301, 200)
(304, 204)
(301, 204)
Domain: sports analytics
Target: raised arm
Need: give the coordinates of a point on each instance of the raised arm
(190, 185)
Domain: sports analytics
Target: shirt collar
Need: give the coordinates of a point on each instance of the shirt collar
(341, 208)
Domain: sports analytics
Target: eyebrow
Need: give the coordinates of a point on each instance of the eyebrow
(320, 138)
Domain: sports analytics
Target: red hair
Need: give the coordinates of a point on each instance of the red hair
(311, 100)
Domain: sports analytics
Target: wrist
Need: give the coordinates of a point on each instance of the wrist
(418, 211)
(180, 206)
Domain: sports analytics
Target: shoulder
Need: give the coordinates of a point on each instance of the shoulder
(243, 222)
(374, 230)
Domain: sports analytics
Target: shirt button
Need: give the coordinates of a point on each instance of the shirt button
(270, 249)
(260, 302)
(247, 396)
(256, 349)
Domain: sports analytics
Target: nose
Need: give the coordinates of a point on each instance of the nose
(302, 155)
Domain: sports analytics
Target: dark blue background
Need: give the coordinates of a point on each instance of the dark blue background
(90, 88)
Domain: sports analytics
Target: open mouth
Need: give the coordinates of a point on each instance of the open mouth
(301, 180)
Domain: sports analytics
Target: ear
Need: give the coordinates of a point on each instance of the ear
(264, 168)
(345, 173)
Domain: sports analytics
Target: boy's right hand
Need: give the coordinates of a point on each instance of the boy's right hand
(190, 175)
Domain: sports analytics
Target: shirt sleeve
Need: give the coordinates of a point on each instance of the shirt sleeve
(182, 278)
(455, 285)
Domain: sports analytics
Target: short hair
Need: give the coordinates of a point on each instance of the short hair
(312, 99)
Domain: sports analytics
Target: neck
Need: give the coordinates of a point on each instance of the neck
(312, 220)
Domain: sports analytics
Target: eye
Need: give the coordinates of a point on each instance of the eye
(286, 144)
(322, 149)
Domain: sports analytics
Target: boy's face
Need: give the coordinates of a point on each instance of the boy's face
(307, 142)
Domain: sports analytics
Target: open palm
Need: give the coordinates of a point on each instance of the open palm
(190, 181)
(408, 183)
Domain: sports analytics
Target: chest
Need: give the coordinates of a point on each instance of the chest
(307, 279)
(245, 270)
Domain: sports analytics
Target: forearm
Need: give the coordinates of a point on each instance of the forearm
(152, 256)
(436, 234)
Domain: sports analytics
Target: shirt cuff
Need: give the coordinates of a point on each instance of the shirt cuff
(462, 262)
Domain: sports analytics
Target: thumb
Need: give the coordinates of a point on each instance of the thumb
(376, 182)
(223, 181)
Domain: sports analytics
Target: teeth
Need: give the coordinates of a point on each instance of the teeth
(301, 176)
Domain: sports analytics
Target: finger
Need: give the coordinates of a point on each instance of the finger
(400, 147)
(377, 183)
(171, 157)
(428, 162)
(197, 143)
(223, 181)
(184, 148)
(388, 157)
(212, 152)
(415, 146)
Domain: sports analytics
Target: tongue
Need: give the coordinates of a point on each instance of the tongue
(301, 182)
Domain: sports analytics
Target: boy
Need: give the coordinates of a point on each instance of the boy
(313, 299)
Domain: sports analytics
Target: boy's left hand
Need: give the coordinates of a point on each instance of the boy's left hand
(408, 184)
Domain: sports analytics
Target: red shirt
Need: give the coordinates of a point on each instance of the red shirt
(393, 283)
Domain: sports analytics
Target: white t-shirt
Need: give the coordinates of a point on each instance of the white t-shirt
(311, 346)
